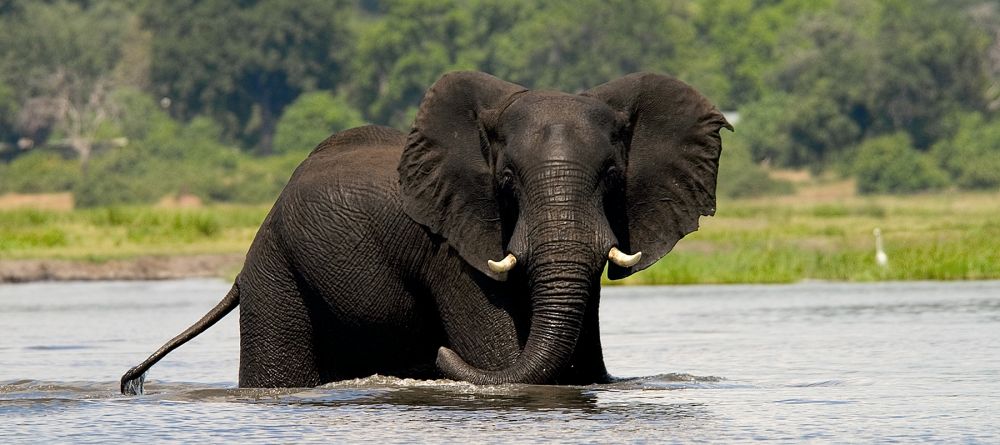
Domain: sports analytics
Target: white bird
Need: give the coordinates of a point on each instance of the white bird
(880, 257)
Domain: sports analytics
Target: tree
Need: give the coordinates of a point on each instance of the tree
(403, 52)
(311, 119)
(972, 156)
(171, 159)
(243, 63)
(740, 177)
(935, 65)
(812, 79)
(43, 38)
(745, 35)
(573, 46)
(59, 62)
(879, 68)
(797, 131)
(890, 164)
(8, 120)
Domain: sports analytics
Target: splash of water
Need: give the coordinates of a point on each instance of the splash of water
(133, 387)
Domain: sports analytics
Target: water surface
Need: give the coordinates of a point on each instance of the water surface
(890, 362)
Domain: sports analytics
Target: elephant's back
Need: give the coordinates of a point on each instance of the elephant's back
(351, 174)
(359, 138)
(371, 151)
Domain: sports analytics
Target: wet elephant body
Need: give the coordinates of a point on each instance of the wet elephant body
(472, 247)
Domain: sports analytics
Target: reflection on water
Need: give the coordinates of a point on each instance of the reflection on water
(835, 362)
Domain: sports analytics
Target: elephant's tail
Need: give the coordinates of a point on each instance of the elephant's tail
(133, 379)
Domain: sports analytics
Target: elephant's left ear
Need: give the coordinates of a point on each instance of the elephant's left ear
(673, 161)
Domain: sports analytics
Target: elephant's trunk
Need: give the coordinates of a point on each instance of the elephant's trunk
(562, 240)
(561, 273)
(559, 302)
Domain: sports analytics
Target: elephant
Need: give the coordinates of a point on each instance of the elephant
(471, 248)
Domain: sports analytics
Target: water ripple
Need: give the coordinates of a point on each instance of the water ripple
(57, 347)
(856, 363)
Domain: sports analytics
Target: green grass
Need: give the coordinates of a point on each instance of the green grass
(781, 240)
(776, 240)
(126, 232)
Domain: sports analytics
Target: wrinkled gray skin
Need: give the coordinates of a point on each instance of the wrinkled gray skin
(374, 258)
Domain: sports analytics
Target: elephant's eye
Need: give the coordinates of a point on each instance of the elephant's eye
(612, 171)
(506, 178)
(613, 176)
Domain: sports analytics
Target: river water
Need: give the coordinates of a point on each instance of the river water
(895, 362)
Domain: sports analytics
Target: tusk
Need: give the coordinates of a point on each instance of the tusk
(623, 259)
(503, 265)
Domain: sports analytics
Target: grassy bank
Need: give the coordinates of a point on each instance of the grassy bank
(812, 235)
(126, 232)
(780, 240)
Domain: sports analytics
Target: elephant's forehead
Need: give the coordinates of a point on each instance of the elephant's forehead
(552, 107)
(558, 126)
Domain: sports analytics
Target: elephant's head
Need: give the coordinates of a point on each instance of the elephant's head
(553, 183)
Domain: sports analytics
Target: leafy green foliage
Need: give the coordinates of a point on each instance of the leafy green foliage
(972, 156)
(740, 177)
(817, 82)
(796, 131)
(403, 52)
(745, 35)
(889, 164)
(56, 60)
(311, 119)
(168, 159)
(243, 63)
(8, 113)
(42, 39)
(40, 171)
(142, 118)
(574, 46)
(862, 69)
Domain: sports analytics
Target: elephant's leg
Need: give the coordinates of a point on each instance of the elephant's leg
(276, 334)
(276, 341)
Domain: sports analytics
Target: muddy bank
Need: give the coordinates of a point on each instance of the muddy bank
(141, 268)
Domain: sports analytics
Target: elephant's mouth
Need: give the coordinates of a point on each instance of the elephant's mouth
(619, 258)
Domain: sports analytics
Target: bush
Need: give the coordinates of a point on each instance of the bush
(791, 131)
(310, 119)
(40, 172)
(169, 160)
(890, 164)
(121, 176)
(972, 156)
(138, 175)
(8, 114)
(255, 180)
(740, 177)
(141, 117)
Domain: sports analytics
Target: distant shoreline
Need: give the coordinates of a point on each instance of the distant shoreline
(160, 267)
(823, 232)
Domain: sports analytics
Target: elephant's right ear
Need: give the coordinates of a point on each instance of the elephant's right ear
(445, 178)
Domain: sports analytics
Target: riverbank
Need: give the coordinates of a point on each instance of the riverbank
(125, 243)
(823, 232)
(139, 268)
